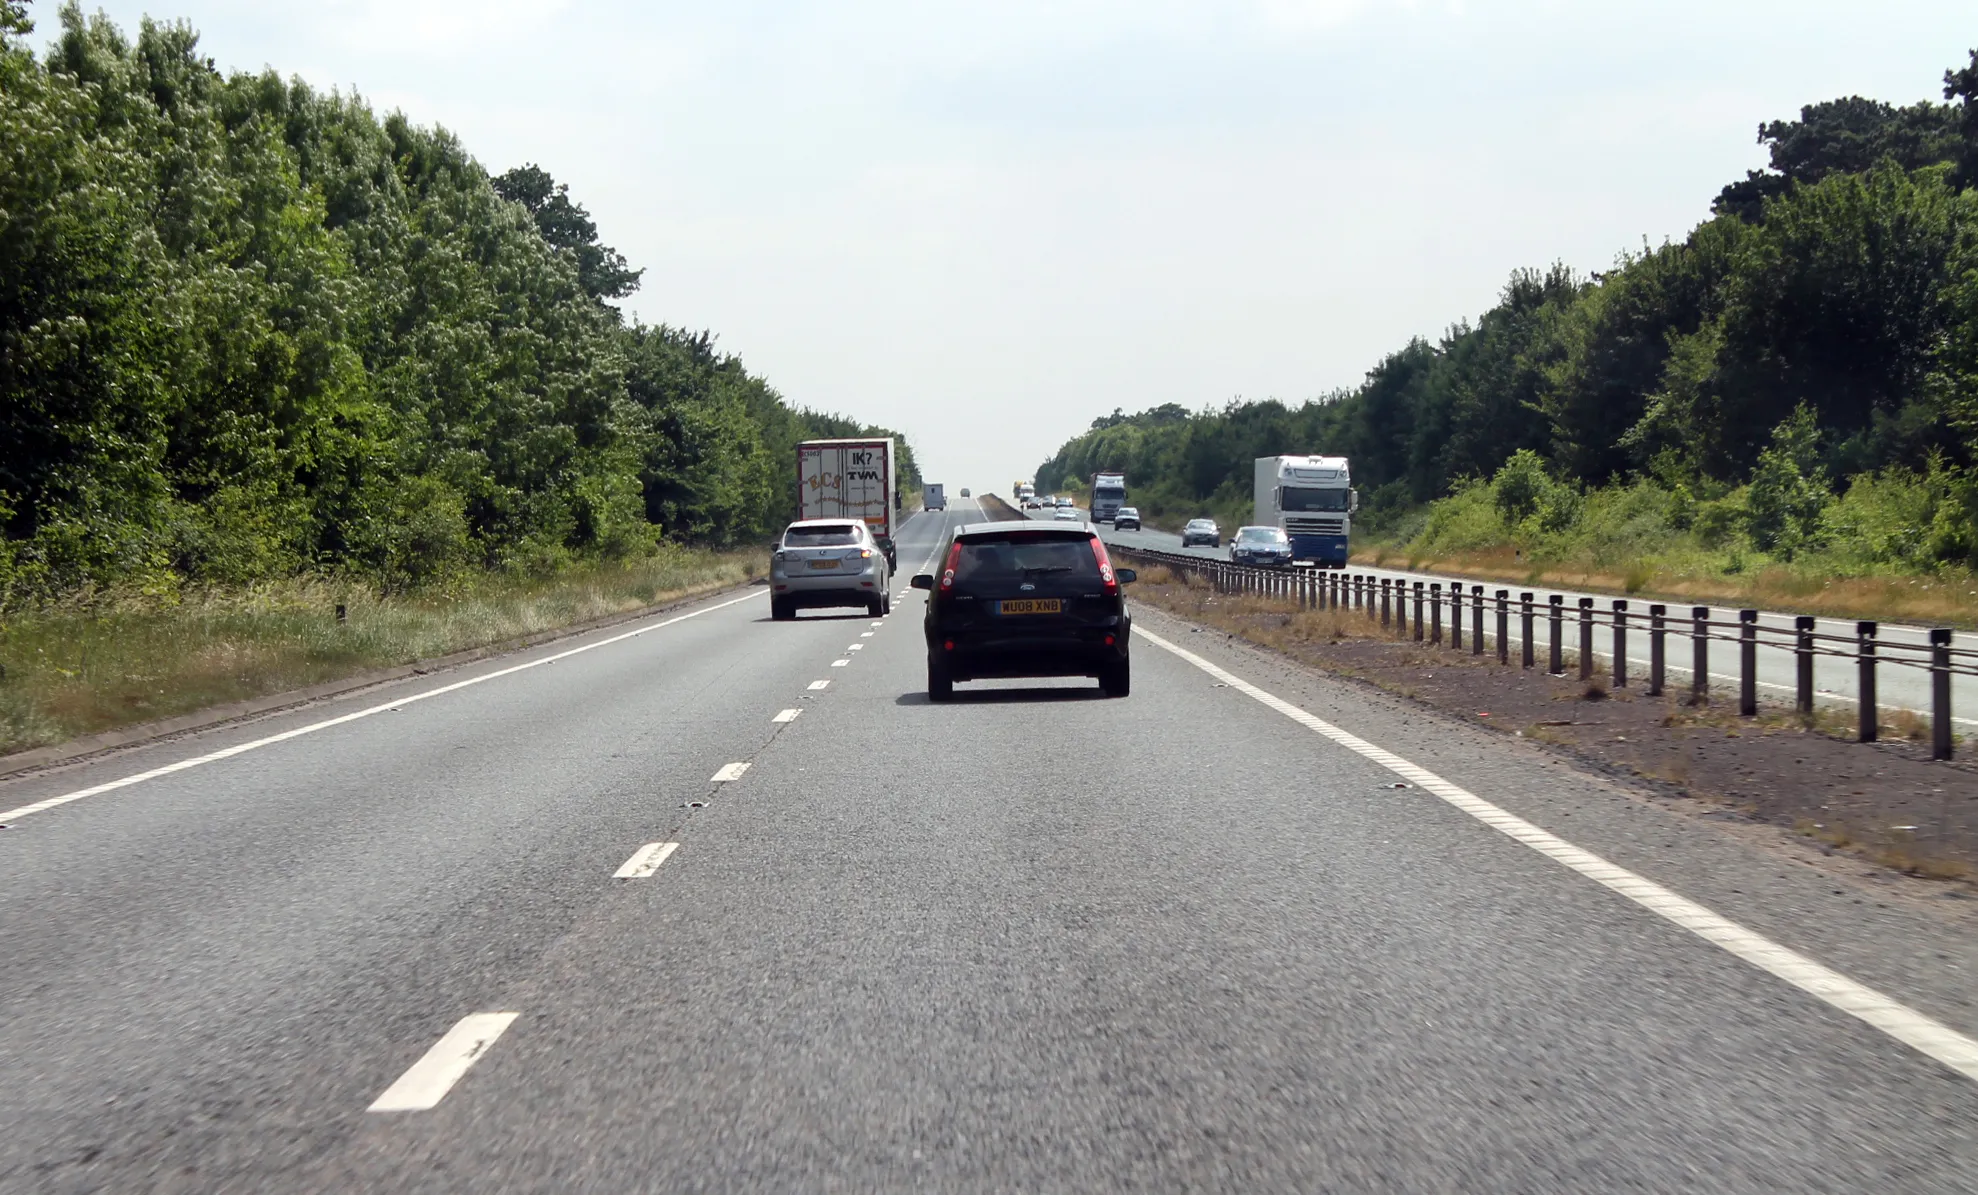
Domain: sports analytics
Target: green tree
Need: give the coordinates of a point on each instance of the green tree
(1844, 136)
(565, 224)
(1789, 488)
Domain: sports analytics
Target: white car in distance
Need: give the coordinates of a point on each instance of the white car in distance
(828, 562)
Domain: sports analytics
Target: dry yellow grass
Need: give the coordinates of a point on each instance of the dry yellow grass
(79, 670)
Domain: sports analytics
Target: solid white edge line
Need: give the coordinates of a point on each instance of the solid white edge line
(430, 1078)
(729, 773)
(645, 861)
(787, 716)
(1905, 1024)
(394, 703)
(819, 684)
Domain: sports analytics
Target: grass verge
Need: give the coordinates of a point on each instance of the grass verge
(88, 667)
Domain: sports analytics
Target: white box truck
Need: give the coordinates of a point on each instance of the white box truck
(1312, 499)
(849, 479)
(1108, 495)
(934, 496)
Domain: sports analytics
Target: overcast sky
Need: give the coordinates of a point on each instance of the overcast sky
(985, 224)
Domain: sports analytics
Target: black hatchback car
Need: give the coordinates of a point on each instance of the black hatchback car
(1026, 599)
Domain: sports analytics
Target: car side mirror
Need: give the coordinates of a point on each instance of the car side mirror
(922, 581)
(1126, 576)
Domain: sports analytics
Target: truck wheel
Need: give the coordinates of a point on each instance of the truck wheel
(1116, 680)
(781, 610)
(940, 682)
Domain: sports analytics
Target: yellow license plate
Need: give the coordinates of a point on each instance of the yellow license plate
(1032, 606)
(824, 564)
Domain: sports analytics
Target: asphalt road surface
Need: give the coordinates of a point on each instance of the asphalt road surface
(608, 916)
(1836, 680)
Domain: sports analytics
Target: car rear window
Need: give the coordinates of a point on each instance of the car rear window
(1050, 563)
(831, 535)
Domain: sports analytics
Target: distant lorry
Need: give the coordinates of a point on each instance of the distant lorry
(1108, 495)
(1024, 492)
(934, 496)
(850, 479)
(1311, 498)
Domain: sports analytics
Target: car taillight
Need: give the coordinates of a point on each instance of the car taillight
(948, 570)
(1105, 568)
(865, 553)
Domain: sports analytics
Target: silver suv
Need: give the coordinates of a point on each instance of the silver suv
(828, 562)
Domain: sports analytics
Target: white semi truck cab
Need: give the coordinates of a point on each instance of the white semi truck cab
(1312, 499)
(1108, 495)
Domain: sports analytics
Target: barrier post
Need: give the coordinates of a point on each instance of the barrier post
(1435, 614)
(1504, 626)
(1940, 693)
(1657, 648)
(1476, 620)
(1556, 664)
(1803, 649)
(1700, 655)
(1866, 729)
(1586, 638)
(1525, 628)
(1418, 611)
(1386, 615)
(1620, 644)
(1456, 616)
(1748, 663)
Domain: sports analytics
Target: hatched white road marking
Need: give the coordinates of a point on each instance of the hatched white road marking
(820, 684)
(787, 716)
(839, 663)
(1905, 1024)
(732, 772)
(394, 704)
(645, 861)
(430, 1078)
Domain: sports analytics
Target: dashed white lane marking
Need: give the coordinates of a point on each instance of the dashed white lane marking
(867, 635)
(1899, 1021)
(731, 772)
(430, 1078)
(839, 663)
(645, 861)
(820, 684)
(787, 716)
(855, 647)
(878, 623)
(393, 704)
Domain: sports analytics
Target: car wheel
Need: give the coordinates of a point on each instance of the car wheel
(886, 603)
(1116, 680)
(940, 682)
(874, 607)
(781, 610)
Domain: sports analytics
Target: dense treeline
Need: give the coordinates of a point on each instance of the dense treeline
(250, 330)
(1817, 336)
